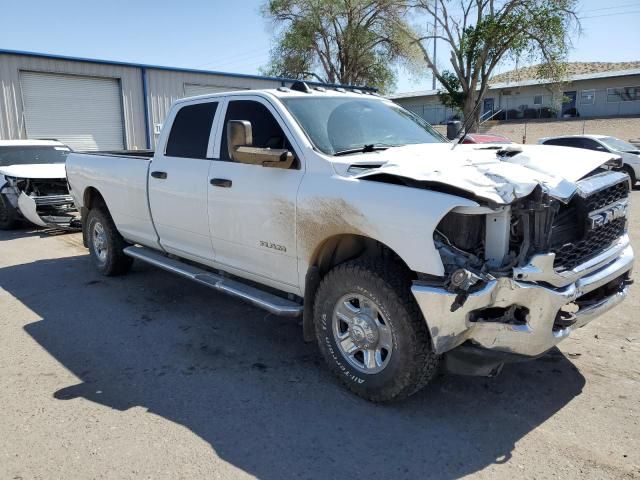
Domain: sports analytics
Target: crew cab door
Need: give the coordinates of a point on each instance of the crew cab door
(178, 181)
(252, 208)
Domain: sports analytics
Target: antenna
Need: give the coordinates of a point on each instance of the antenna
(466, 124)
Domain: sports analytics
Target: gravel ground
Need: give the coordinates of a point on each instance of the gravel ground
(150, 376)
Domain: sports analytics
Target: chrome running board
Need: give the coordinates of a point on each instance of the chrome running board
(270, 302)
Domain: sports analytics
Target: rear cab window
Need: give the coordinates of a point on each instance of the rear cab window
(190, 131)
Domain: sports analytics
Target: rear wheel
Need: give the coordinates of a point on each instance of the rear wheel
(8, 217)
(106, 245)
(371, 332)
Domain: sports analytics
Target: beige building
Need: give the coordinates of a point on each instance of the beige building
(592, 95)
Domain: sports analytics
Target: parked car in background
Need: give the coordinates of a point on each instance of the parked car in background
(602, 143)
(485, 138)
(33, 184)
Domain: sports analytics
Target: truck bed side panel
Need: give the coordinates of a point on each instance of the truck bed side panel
(122, 182)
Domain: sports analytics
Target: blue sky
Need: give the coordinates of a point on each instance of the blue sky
(232, 36)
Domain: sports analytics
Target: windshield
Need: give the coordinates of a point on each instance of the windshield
(619, 145)
(25, 155)
(337, 125)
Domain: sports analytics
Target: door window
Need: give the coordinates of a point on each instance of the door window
(591, 144)
(562, 142)
(189, 136)
(266, 131)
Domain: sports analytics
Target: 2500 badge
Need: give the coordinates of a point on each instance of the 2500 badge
(274, 246)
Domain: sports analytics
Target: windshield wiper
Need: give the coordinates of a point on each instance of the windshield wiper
(364, 149)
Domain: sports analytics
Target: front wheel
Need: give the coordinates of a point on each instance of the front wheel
(106, 245)
(632, 176)
(8, 217)
(370, 331)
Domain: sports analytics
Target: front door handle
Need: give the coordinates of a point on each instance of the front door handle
(220, 182)
(160, 175)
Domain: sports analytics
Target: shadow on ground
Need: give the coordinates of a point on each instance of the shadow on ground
(25, 230)
(246, 383)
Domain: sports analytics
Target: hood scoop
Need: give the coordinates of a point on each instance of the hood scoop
(357, 168)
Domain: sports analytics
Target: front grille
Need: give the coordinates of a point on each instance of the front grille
(53, 200)
(572, 240)
(571, 255)
(606, 196)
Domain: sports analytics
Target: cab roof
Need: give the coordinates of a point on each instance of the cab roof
(586, 135)
(286, 92)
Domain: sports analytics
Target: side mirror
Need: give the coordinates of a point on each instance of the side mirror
(239, 145)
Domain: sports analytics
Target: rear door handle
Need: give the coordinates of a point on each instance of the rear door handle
(220, 182)
(160, 175)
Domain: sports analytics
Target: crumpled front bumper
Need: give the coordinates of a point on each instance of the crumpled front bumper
(543, 300)
(28, 207)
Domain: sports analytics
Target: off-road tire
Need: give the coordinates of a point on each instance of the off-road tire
(412, 363)
(632, 176)
(114, 261)
(8, 214)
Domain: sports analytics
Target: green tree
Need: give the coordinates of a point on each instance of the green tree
(480, 34)
(355, 42)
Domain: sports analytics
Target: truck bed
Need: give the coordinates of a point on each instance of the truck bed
(142, 154)
(121, 180)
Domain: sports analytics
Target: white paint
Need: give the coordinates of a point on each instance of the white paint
(27, 207)
(42, 170)
(255, 207)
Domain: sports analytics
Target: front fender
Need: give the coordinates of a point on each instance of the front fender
(402, 218)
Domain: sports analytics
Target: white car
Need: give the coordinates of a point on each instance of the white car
(33, 184)
(397, 248)
(629, 153)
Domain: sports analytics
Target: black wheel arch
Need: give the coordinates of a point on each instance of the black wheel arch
(335, 251)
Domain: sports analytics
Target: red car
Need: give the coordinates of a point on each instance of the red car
(484, 138)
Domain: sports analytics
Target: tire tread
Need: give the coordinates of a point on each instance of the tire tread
(394, 285)
(117, 262)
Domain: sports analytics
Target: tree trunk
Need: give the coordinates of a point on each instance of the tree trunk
(468, 110)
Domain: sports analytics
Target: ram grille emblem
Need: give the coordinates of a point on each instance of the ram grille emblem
(608, 214)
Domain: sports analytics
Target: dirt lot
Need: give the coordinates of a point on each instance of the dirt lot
(150, 376)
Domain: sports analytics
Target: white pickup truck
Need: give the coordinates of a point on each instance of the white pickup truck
(400, 251)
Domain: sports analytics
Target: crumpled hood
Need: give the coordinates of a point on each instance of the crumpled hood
(479, 171)
(43, 170)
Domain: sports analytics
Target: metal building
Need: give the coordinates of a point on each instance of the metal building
(100, 105)
(591, 95)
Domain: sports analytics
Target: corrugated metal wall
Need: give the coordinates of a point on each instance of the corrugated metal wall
(11, 108)
(163, 88)
(166, 86)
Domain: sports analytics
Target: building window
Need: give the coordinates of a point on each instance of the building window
(587, 97)
(623, 94)
(630, 94)
(613, 95)
(537, 100)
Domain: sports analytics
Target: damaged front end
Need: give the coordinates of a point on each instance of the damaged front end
(43, 202)
(521, 277)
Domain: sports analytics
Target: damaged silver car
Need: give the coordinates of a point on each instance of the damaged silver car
(33, 185)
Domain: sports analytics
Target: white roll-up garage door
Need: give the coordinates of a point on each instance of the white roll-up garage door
(83, 112)
(192, 90)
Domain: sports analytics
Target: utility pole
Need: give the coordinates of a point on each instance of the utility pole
(435, 44)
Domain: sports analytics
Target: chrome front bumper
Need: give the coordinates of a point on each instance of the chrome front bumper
(451, 329)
